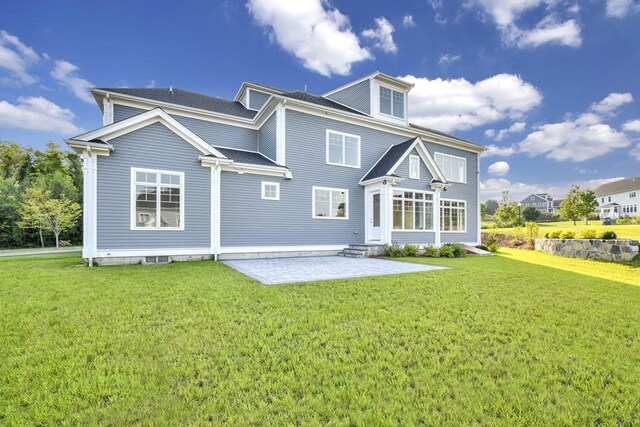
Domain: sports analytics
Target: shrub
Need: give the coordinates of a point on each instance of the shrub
(394, 250)
(483, 247)
(446, 252)
(554, 234)
(517, 242)
(608, 235)
(493, 247)
(568, 235)
(532, 231)
(587, 233)
(458, 249)
(431, 252)
(410, 250)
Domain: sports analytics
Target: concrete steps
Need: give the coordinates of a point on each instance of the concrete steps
(362, 251)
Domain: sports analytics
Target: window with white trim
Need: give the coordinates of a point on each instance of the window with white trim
(330, 203)
(632, 194)
(391, 102)
(343, 149)
(412, 210)
(157, 200)
(452, 215)
(414, 166)
(270, 190)
(454, 168)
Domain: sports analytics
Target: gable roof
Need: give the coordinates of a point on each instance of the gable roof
(542, 196)
(249, 157)
(320, 100)
(620, 186)
(188, 99)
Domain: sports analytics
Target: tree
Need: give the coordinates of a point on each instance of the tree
(40, 210)
(483, 211)
(507, 213)
(491, 205)
(587, 204)
(10, 198)
(569, 208)
(530, 213)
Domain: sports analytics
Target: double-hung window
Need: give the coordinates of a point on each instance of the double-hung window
(412, 210)
(454, 168)
(414, 167)
(452, 215)
(331, 203)
(343, 149)
(157, 200)
(391, 102)
(270, 190)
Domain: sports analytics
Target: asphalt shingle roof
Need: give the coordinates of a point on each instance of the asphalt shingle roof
(388, 159)
(620, 186)
(319, 100)
(251, 157)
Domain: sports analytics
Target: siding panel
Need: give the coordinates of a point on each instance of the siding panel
(257, 99)
(121, 112)
(357, 96)
(218, 134)
(267, 138)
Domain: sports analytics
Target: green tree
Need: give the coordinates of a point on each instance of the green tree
(59, 184)
(506, 214)
(569, 208)
(530, 213)
(483, 211)
(587, 204)
(15, 160)
(491, 205)
(10, 199)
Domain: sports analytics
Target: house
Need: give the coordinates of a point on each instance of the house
(619, 199)
(176, 175)
(543, 202)
(557, 205)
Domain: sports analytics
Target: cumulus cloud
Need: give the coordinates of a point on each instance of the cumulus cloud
(448, 58)
(621, 8)
(314, 32)
(458, 104)
(408, 21)
(632, 126)
(494, 150)
(549, 30)
(611, 103)
(16, 58)
(499, 168)
(382, 35)
(66, 73)
(516, 127)
(38, 114)
(636, 152)
(492, 188)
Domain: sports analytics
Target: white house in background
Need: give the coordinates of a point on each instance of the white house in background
(543, 202)
(619, 199)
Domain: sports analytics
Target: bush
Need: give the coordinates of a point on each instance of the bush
(431, 252)
(493, 247)
(587, 233)
(532, 231)
(446, 252)
(483, 247)
(410, 250)
(394, 250)
(458, 249)
(608, 235)
(555, 234)
(568, 235)
(517, 242)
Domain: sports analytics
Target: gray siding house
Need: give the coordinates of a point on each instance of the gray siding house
(175, 175)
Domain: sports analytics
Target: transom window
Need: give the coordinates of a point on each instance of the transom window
(391, 102)
(157, 200)
(412, 210)
(414, 167)
(454, 168)
(270, 190)
(343, 149)
(330, 203)
(452, 215)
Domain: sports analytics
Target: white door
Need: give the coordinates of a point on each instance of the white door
(373, 222)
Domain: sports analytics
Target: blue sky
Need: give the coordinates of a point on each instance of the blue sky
(551, 87)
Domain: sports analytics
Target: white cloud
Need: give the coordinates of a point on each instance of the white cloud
(408, 21)
(16, 58)
(494, 150)
(611, 103)
(516, 127)
(150, 84)
(38, 114)
(499, 168)
(66, 73)
(382, 35)
(492, 188)
(621, 8)
(314, 32)
(632, 126)
(458, 104)
(448, 58)
(636, 152)
(438, 8)
(549, 30)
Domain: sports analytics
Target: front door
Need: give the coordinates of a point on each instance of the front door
(373, 222)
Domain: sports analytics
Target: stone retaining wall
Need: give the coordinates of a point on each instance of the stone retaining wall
(607, 250)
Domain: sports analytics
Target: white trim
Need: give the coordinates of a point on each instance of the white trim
(426, 158)
(479, 214)
(404, 103)
(466, 205)
(412, 190)
(231, 166)
(90, 203)
(416, 159)
(111, 253)
(437, 153)
(281, 134)
(215, 211)
(133, 210)
(259, 249)
(264, 185)
(331, 189)
(344, 149)
(257, 86)
(107, 111)
(375, 74)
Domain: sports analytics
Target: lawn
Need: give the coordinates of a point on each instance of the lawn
(494, 340)
(622, 231)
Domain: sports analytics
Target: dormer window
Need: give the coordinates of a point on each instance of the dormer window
(391, 102)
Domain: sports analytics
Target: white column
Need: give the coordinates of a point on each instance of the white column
(436, 216)
(215, 211)
(90, 205)
(280, 135)
(386, 213)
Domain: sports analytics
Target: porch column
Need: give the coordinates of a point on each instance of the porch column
(215, 211)
(436, 216)
(386, 213)
(90, 206)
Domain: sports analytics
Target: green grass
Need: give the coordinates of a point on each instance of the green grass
(493, 340)
(622, 231)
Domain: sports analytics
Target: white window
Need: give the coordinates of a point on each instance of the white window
(157, 200)
(391, 102)
(454, 168)
(412, 210)
(452, 215)
(632, 194)
(343, 149)
(414, 167)
(330, 203)
(270, 190)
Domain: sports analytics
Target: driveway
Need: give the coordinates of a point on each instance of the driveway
(275, 271)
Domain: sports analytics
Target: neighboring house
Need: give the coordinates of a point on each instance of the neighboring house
(543, 202)
(557, 204)
(619, 199)
(178, 175)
